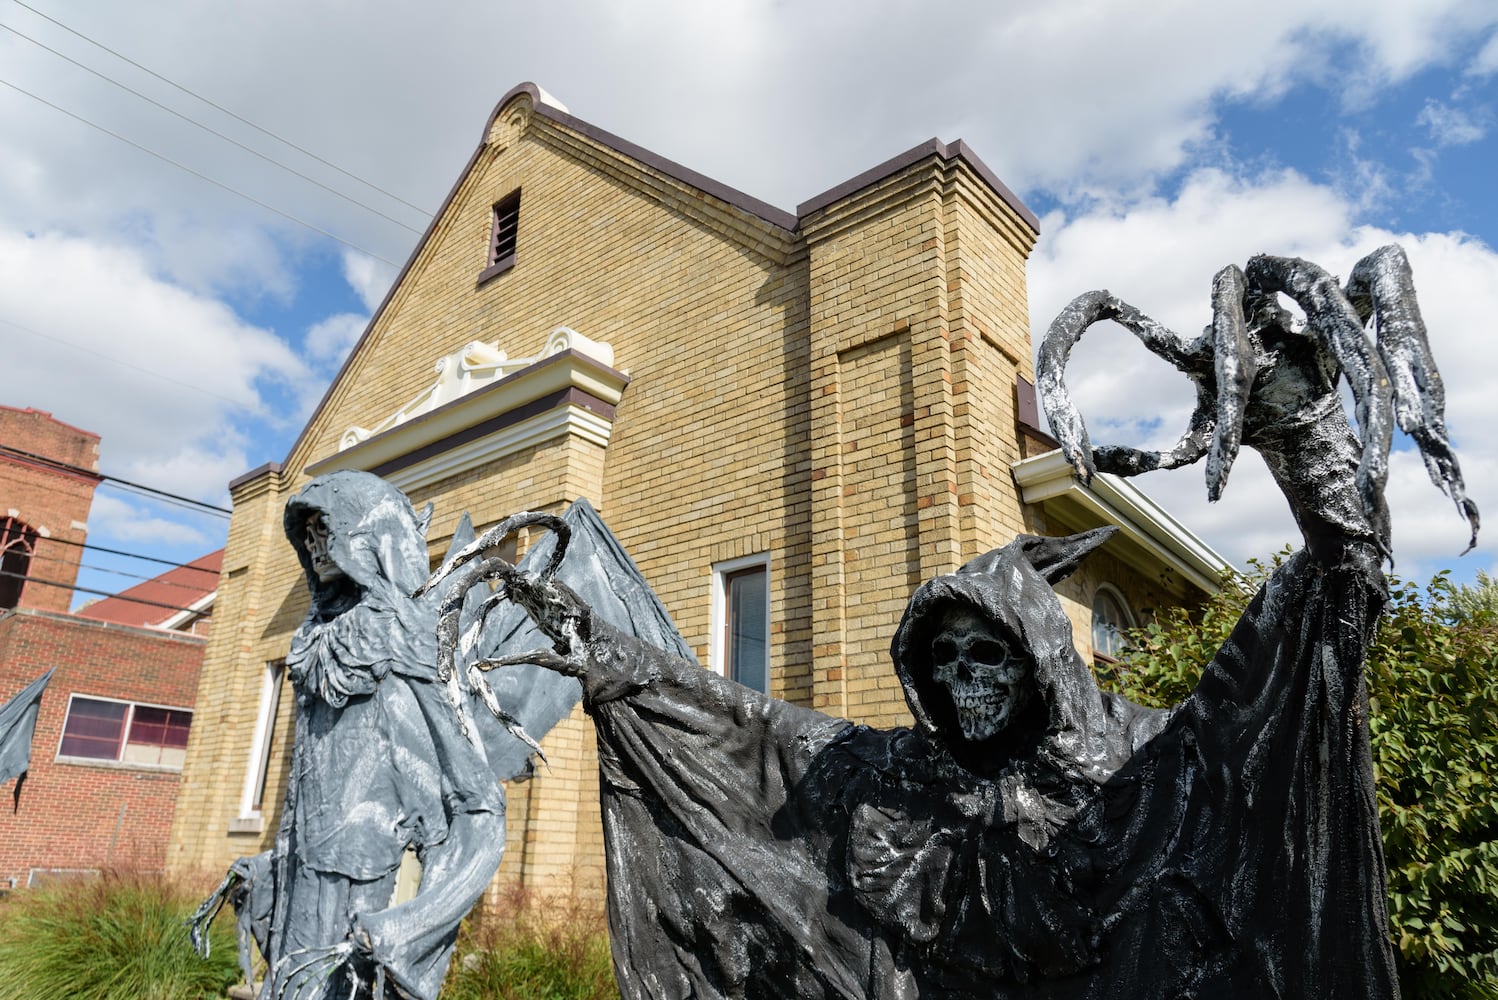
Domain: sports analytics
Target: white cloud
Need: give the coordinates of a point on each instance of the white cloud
(1449, 126)
(161, 373)
(370, 279)
(1160, 256)
(124, 521)
(1486, 61)
(331, 339)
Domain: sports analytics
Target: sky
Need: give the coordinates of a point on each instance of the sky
(200, 209)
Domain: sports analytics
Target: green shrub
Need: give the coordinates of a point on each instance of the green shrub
(552, 947)
(1433, 698)
(120, 936)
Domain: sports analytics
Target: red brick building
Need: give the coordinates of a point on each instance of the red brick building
(107, 754)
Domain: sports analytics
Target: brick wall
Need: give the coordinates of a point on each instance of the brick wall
(839, 398)
(52, 501)
(89, 816)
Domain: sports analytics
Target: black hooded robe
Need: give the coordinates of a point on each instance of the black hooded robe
(1228, 848)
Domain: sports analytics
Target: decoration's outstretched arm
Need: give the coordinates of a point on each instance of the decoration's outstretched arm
(1192, 358)
(469, 568)
(1338, 331)
(1263, 381)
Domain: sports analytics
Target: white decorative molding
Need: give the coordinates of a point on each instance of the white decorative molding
(492, 447)
(460, 422)
(472, 367)
(1048, 481)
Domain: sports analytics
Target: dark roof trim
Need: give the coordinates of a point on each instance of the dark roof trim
(931, 147)
(738, 199)
(732, 196)
(269, 468)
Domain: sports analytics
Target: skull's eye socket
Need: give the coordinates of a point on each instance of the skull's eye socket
(989, 652)
(944, 650)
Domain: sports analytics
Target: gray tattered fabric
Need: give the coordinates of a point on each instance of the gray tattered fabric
(1228, 847)
(17, 725)
(380, 764)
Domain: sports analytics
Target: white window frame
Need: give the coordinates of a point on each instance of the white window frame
(271, 681)
(64, 758)
(1130, 619)
(717, 655)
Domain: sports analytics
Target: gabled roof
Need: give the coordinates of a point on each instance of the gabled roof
(161, 602)
(545, 106)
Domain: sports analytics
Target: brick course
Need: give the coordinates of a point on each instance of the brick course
(839, 396)
(89, 815)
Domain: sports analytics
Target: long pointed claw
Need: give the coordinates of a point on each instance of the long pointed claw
(477, 683)
(497, 534)
(1066, 422)
(1382, 286)
(1236, 367)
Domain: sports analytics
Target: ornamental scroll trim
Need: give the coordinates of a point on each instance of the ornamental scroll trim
(474, 366)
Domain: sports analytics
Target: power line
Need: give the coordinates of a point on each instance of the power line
(131, 555)
(68, 467)
(186, 503)
(117, 361)
(158, 579)
(201, 176)
(101, 593)
(212, 131)
(218, 107)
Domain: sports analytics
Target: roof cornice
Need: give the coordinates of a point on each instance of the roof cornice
(1150, 528)
(546, 107)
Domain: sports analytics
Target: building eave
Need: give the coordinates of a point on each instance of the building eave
(1148, 532)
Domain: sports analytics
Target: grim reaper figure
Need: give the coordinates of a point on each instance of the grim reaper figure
(382, 764)
(1031, 835)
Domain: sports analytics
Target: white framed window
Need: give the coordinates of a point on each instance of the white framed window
(740, 648)
(110, 731)
(262, 742)
(1111, 617)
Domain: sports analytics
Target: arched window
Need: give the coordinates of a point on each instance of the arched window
(17, 543)
(1110, 618)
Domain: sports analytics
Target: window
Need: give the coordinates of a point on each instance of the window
(504, 233)
(1110, 617)
(263, 742)
(17, 543)
(741, 621)
(123, 732)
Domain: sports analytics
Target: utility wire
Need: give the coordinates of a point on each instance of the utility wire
(196, 506)
(102, 593)
(159, 579)
(68, 467)
(200, 176)
(132, 555)
(117, 361)
(212, 131)
(218, 107)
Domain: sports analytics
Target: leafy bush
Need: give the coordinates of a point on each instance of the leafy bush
(1433, 694)
(120, 935)
(534, 947)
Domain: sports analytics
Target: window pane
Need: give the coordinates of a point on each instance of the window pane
(93, 729)
(747, 644)
(158, 736)
(1109, 619)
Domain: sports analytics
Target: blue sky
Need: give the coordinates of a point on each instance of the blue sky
(195, 329)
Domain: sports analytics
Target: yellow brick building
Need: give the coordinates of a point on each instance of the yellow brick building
(832, 405)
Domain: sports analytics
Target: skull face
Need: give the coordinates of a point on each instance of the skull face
(988, 681)
(316, 537)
